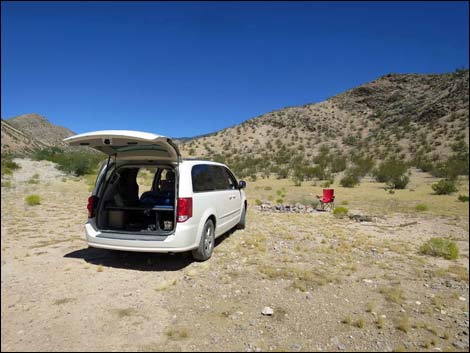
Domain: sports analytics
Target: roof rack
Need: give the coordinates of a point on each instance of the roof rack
(197, 159)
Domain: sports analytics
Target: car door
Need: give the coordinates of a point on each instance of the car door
(221, 197)
(235, 200)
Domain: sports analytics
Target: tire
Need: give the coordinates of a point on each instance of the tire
(206, 246)
(242, 223)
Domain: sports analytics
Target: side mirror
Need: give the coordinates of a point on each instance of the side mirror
(241, 184)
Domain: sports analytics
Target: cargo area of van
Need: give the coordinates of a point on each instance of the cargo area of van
(126, 205)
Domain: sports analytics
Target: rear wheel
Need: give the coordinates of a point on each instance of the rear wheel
(206, 245)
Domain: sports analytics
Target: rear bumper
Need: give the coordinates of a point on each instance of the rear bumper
(183, 239)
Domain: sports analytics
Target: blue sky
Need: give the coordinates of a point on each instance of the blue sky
(183, 69)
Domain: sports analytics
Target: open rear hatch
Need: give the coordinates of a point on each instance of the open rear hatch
(129, 145)
(132, 148)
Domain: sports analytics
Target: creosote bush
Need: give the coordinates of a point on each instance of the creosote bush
(444, 187)
(393, 172)
(440, 247)
(350, 180)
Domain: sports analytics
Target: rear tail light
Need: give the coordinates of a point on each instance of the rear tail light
(91, 206)
(185, 209)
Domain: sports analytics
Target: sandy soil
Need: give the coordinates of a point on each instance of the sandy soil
(334, 284)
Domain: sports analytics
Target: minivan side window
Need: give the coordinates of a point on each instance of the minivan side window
(231, 180)
(202, 178)
(210, 178)
(220, 178)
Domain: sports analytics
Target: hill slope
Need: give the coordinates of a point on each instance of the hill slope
(25, 133)
(404, 115)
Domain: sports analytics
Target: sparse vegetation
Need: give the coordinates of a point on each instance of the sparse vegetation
(393, 173)
(33, 200)
(359, 323)
(444, 187)
(463, 198)
(350, 180)
(177, 333)
(77, 162)
(421, 207)
(403, 323)
(393, 294)
(340, 212)
(34, 179)
(8, 165)
(440, 247)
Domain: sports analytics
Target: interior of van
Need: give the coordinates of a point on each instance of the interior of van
(128, 207)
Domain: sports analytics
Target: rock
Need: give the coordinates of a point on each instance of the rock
(462, 299)
(296, 347)
(418, 302)
(367, 280)
(267, 311)
(359, 217)
(459, 345)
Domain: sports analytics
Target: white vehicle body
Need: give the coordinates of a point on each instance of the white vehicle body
(224, 207)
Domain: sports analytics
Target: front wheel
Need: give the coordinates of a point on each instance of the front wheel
(204, 251)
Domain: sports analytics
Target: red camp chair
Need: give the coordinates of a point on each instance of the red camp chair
(328, 200)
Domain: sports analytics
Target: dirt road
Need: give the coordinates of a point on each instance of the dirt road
(333, 284)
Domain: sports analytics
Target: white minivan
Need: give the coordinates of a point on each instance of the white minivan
(190, 202)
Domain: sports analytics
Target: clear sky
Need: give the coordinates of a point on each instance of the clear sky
(183, 69)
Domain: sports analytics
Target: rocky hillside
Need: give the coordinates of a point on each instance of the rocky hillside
(25, 133)
(404, 115)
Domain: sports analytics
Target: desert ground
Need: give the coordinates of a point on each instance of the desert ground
(333, 283)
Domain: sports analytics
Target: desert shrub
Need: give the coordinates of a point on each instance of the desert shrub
(362, 165)
(440, 247)
(340, 212)
(33, 200)
(282, 173)
(455, 165)
(350, 180)
(258, 202)
(398, 182)
(268, 188)
(6, 184)
(338, 164)
(421, 207)
(279, 200)
(8, 166)
(444, 187)
(314, 203)
(75, 162)
(463, 198)
(392, 172)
